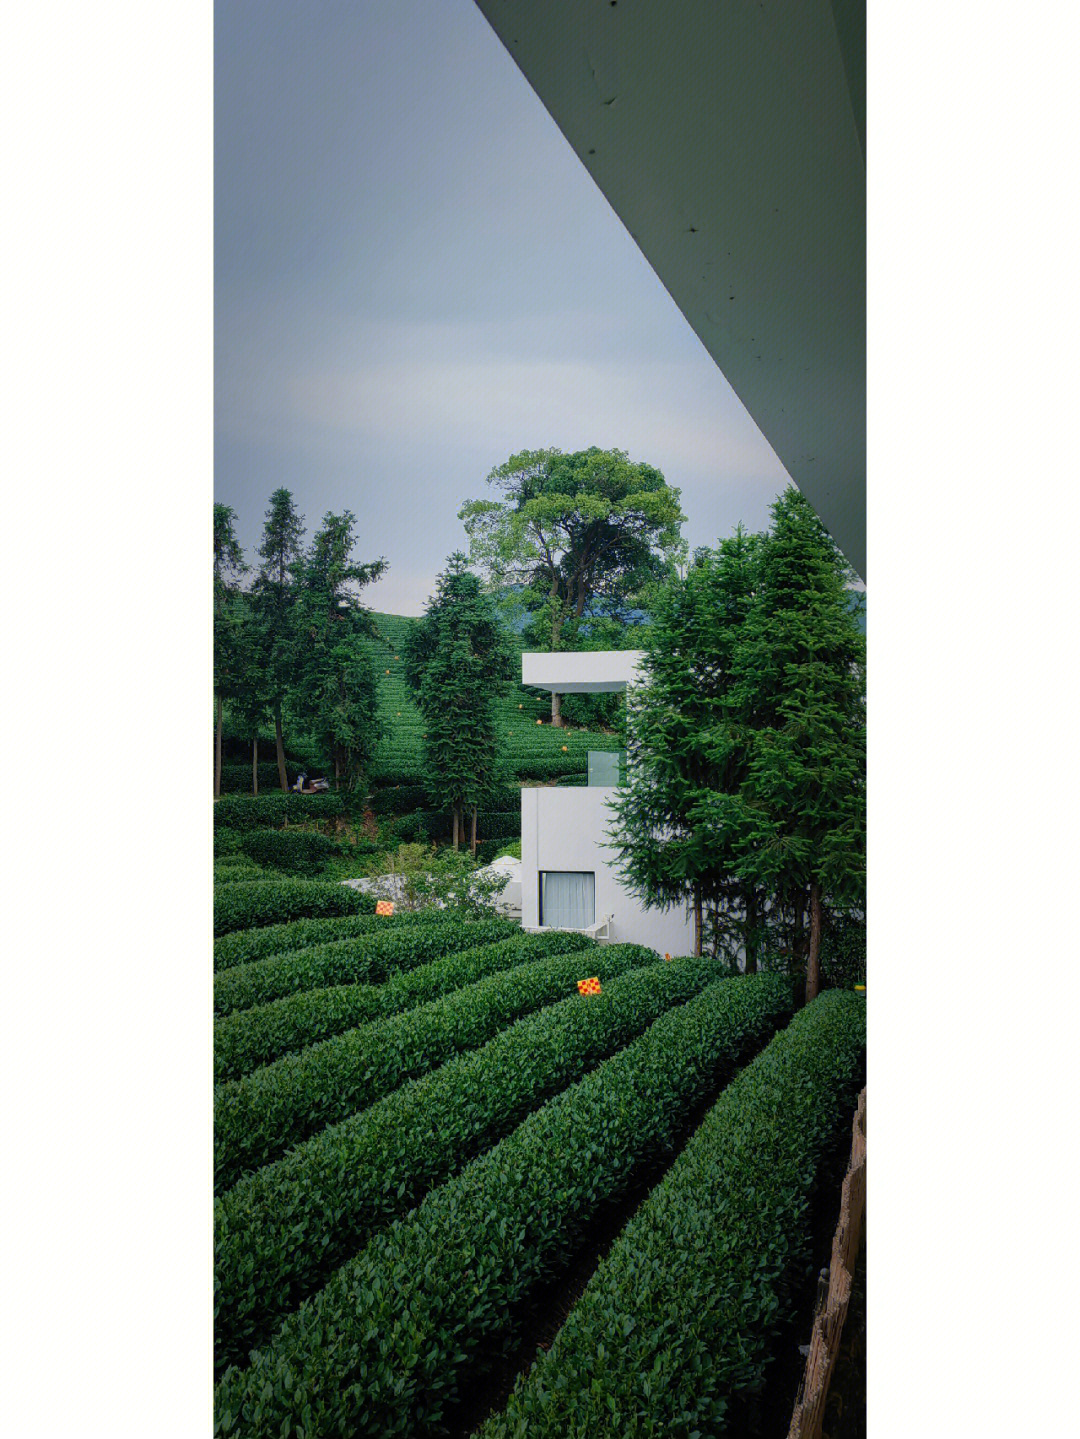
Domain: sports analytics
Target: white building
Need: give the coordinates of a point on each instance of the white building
(569, 878)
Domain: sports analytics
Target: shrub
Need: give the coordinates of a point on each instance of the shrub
(737, 1198)
(368, 958)
(383, 1348)
(252, 1037)
(282, 1231)
(236, 778)
(248, 811)
(843, 951)
(296, 851)
(244, 946)
(399, 799)
(258, 1117)
(259, 902)
(226, 843)
(241, 869)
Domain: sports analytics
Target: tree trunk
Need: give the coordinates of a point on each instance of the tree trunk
(457, 822)
(283, 775)
(556, 711)
(750, 940)
(255, 764)
(217, 750)
(472, 841)
(698, 926)
(813, 962)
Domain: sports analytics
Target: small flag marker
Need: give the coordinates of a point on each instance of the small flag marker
(589, 986)
(666, 955)
(384, 906)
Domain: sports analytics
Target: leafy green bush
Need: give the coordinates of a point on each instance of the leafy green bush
(236, 778)
(237, 868)
(371, 958)
(296, 851)
(398, 799)
(384, 1347)
(244, 946)
(252, 1037)
(737, 1199)
(275, 901)
(283, 1230)
(226, 843)
(492, 848)
(249, 811)
(258, 1117)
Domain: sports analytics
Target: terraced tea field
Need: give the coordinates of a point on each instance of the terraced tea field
(424, 1131)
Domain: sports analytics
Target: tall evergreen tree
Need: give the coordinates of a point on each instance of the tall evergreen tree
(799, 677)
(686, 750)
(335, 690)
(458, 657)
(228, 567)
(274, 598)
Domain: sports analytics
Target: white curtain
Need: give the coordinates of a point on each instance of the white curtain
(567, 899)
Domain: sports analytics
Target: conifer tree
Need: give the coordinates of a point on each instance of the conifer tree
(228, 567)
(335, 689)
(458, 658)
(686, 750)
(799, 682)
(274, 598)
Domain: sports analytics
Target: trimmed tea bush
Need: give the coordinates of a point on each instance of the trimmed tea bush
(249, 811)
(244, 946)
(297, 851)
(283, 1230)
(368, 959)
(236, 778)
(384, 1348)
(252, 1037)
(258, 1117)
(737, 1199)
(258, 902)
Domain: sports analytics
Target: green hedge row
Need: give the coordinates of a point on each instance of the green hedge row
(737, 1198)
(296, 851)
(276, 901)
(249, 811)
(236, 778)
(434, 824)
(399, 799)
(257, 1118)
(370, 959)
(282, 1231)
(384, 1348)
(244, 946)
(234, 868)
(252, 1037)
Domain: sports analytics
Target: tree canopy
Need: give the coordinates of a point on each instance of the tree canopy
(458, 657)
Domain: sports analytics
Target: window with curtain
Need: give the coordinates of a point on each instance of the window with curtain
(567, 898)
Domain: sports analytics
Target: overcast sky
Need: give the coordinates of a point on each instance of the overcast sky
(415, 277)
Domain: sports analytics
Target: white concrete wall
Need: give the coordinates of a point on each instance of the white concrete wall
(581, 672)
(565, 829)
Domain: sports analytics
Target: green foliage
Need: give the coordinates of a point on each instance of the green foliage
(252, 1037)
(335, 692)
(685, 749)
(573, 528)
(843, 951)
(236, 778)
(372, 958)
(385, 1347)
(245, 811)
(681, 1332)
(258, 1117)
(259, 902)
(236, 868)
(296, 851)
(458, 658)
(244, 946)
(282, 1231)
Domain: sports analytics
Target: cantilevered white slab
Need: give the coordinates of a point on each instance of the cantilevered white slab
(597, 672)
